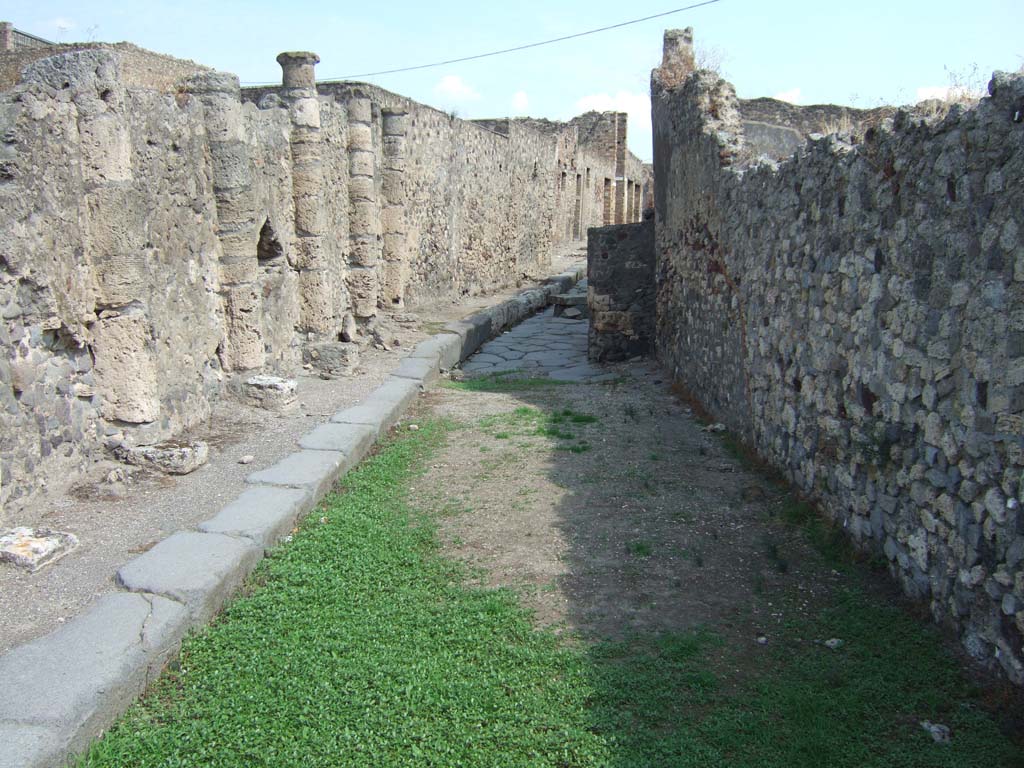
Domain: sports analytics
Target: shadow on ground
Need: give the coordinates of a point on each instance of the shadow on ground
(722, 625)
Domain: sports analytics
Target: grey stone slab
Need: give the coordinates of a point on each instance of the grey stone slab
(420, 369)
(474, 330)
(264, 513)
(486, 357)
(200, 570)
(396, 390)
(384, 406)
(30, 746)
(354, 440)
(72, 683)
(314, 470)
(475, 367)
(446, 348)
(549, 358)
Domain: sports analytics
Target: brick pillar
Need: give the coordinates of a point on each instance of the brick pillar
(395, 199)
(237, 226)
(6, 36)
(365, 244)
(317, 313)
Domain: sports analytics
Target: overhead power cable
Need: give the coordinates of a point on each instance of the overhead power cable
(514, 49)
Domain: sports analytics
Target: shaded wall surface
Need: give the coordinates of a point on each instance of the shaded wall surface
(856, 313)
(621, 291)
(166, 234)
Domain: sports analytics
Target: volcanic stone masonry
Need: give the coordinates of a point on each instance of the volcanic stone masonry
(852, 306)
(167, 236)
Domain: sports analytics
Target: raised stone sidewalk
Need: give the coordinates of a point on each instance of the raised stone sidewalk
(60, 691)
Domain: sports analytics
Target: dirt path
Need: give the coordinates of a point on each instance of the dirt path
(611, 512)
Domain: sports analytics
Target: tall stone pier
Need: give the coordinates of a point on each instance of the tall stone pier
(365, 246)
(237, 230)
(393, 218)
(317, 313)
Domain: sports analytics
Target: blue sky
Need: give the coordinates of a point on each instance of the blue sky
(864, 53)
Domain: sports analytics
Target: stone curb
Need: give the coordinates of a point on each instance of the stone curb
(60, 691)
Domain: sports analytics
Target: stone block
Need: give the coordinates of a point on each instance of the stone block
(331, 359)
(172, 457)
(200, 570)
(30, 746)
(474, 331)
(353, 440)
(421, 369)
(383, 408)
(446, 348)
(61, 690)
(263, 513)
(125, 371)
(313, 470)
(271, 393)
(35, 548)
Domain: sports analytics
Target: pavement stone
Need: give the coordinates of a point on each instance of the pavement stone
(30, 746)
(200, 570)
(420, 369)
(354, 440)
(263, 513)
(314, 470)
(61, 690)
(445, 347)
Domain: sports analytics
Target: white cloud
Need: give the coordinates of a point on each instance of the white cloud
(637, 106)
(454, 89)
(792, 96)
(63, 25)
(520, 102)
(932, 92)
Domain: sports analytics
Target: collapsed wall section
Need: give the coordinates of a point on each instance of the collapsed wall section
(856, 313)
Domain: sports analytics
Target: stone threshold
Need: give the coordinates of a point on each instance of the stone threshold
(60, 691)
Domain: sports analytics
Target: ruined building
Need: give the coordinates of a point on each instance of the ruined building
(166, 234)
(851, 305)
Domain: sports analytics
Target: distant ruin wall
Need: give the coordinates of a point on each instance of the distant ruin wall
(856, 314)
(165, 235)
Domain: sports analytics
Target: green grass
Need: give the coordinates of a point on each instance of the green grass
(639, 548)
(358, 644)
(528, 421)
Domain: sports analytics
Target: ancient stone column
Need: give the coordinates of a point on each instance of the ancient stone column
(364, 214)
(393, 221)
(237, 226)
(317, 313)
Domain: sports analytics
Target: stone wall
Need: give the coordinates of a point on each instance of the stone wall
(856, 314)
(620, 291)
(166, 235)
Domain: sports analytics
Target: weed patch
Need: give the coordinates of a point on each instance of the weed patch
(508, 381)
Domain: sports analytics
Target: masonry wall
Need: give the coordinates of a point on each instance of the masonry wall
(165, 235)
(856, 314)
(620, 291)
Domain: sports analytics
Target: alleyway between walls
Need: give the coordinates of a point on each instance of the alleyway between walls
(550, 563)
